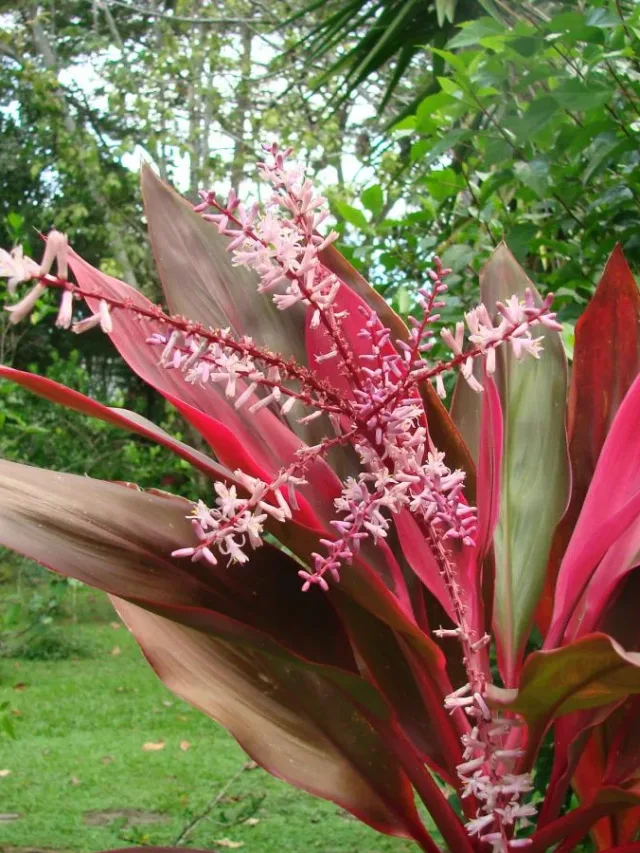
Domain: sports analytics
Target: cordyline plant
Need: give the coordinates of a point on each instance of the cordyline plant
(378, 599)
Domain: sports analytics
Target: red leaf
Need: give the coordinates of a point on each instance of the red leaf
(607, 521)
(606, 360)
(120, 540)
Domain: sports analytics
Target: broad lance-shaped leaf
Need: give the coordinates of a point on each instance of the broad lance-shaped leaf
(120, 540)
(606, 538)
(535, 472)
(588, 673)
(260, 444)
(232, 658)
(606, 361)
(200, 282)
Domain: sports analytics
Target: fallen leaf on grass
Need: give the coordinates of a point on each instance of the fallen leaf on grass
(115, 625)
(226, 842)
(252, 821)
(4, 773)
(74, 780)
(107, 759)
(185, 745)
(20, 686)
(251, 765)
(115, 651)
(152, 746)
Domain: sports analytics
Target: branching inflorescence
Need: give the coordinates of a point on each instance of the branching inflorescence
(383, 420)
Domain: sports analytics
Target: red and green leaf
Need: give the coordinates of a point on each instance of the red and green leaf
(535, 474)
(589, 673)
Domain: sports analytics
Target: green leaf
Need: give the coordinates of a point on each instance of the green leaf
(351, 214)
(444, 183)
(573, 94)
(455, 61)
(373, 199)
(457, 257)
(538, 115)
(451, 87)
(533, 174)
(473, 31)
(535, 472)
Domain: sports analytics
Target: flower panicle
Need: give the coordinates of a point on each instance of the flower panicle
(514, 322)
(281, 243)
(236, 523)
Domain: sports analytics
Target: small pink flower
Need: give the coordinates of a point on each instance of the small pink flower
(26, 305)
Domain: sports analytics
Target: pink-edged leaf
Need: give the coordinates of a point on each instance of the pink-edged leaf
(259, 443)
(578, 822)
(294, 722)
(201, 282)
(608, 520)
(589, 673)
(535, 473)
(606, 361)
(442, 429)
(120, 540)
(573, 747)
(623, 761)
(244, 644)
(70, 399)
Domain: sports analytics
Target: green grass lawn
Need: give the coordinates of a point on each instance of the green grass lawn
(80, 779)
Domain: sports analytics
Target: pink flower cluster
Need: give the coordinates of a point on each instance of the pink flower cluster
(487, 773)
(281, 244)
(234, 522)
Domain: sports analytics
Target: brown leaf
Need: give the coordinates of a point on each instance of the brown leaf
(226, 842)
(74, 780)
(115, 625)
(107, 759)
(115, 651)
(185, 745)
(20, 686)
(252, 821)
(153, 746)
